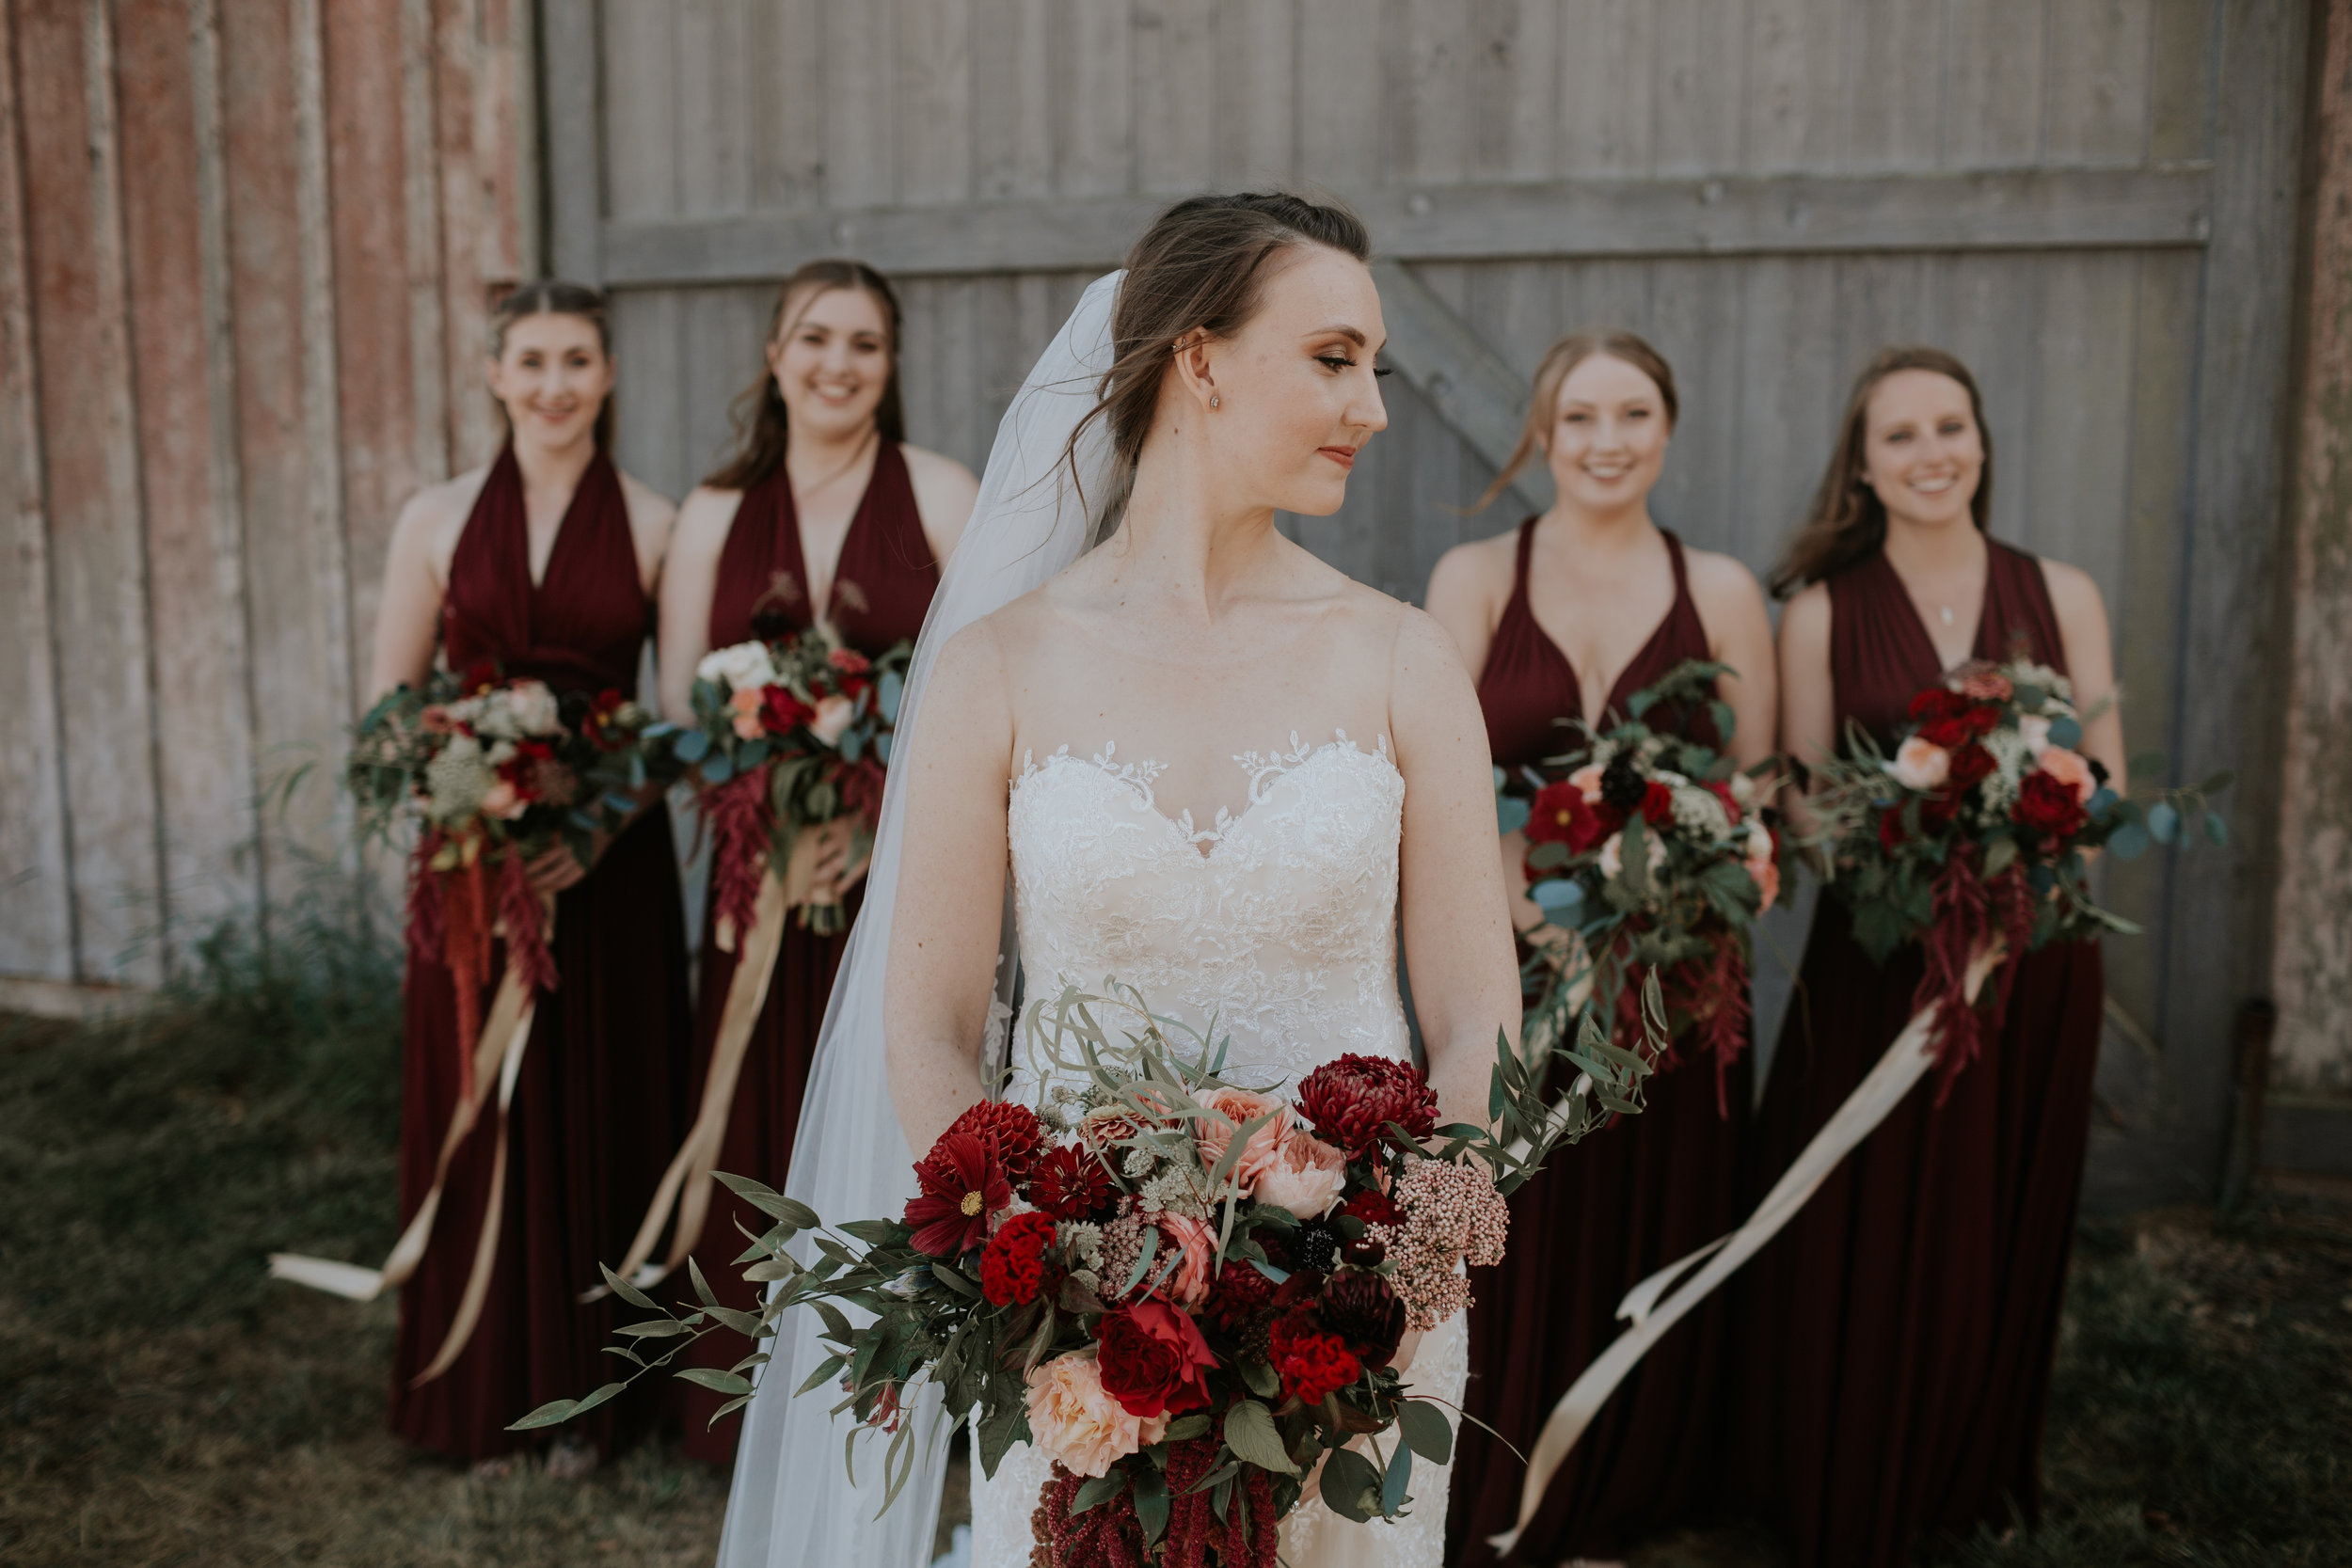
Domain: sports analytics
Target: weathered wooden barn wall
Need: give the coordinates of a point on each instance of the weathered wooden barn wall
(2092, 200)
(246, 247)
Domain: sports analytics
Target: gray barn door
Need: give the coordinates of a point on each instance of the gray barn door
(2090, 201)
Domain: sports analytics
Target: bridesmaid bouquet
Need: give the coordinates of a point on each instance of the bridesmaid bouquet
(1979, 828)
(787, 735)
(1184, 1292)
(1654, 851)
(494, 772)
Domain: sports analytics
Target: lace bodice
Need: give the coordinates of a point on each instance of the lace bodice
(1279, 923)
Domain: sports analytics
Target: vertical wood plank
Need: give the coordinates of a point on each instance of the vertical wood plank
(1179, 97)
(861, 104)
(421, 142)
(1795, 96)
(1695, 322)
(638, 132)
(1790, 394)
(1426, 115)
(1995, 316)
(787, 103)
(1699, 100)
(1012, 122)
(483, 61)
(1093, 87)
(1992, 94)
(576, 138)
(2179, 83)
(1257, 100)
(1897, 76)
(203, 723)
(1608, 75)
(1514, 81)
(648, 339)
(88, 434)
(934, 100)
(37, 919)
(2097, 82)
(2076, 487)
(721, 335)
(1341, 78)
(713, 111)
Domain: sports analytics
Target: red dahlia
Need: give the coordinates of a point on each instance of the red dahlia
(1013, 1269)
(1070, 1182)
(1010, 1129)
(964, 1182)
(1352, 1100)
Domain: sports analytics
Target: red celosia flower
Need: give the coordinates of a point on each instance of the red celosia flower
(2046, 806)
(964, 1182)
(1153, 1360)
(1657, 804)
(1013, 1268)
(1010, 1129)
(1238, 1298)
(1070, 1182)
(1312, 1364)
(1350, 1100)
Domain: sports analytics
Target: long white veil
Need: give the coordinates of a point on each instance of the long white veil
(791, 1503)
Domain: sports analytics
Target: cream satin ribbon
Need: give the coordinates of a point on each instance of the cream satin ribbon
(686, 1186)
(496, 1064)
(1652, 1311)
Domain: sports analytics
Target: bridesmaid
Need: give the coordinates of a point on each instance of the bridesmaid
(1569, 615)
(822, 505)
(1897, 1336)
(547, 563)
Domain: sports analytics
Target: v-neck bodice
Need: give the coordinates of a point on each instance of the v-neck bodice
(583, 625)
(1880, 655)
(881, 586)
(1529, 687)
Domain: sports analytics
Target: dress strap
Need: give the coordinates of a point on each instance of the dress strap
(1526, 553)
(1682, 571)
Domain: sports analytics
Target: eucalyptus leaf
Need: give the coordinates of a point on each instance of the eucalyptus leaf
(1424, 1427)
(1392, 1494)
(693, 746)
(2216, 830)
(1351, 1487)
(2164, 822)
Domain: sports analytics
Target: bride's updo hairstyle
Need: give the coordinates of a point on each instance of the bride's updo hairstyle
(1201, 268)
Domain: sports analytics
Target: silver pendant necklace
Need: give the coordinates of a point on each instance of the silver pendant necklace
(1944, 610)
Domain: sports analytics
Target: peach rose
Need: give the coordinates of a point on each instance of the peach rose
(1188, 1286)
(2068, 769)
(500, 800)
(745, 702)
(1306, 1179)
(1587, 782)
(1762, 867)
(834, 714)
(1920, 764)
(1074, 1421)
(1240, 1107)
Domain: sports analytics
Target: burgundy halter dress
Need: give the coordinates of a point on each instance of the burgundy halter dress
(1897, 1337)
(880, 591)
(600, 1101)
(1602, 1215)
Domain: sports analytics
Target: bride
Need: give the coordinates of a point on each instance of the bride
(1213, 767)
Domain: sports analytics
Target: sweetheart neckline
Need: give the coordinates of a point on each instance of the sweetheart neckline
(1267, 770)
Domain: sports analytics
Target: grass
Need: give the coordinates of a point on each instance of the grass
(161, 1402)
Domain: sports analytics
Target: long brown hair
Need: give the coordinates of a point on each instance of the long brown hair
(1847, 521)
(1201, 269)
(1559, 360)
(762, 425)
(552, 297)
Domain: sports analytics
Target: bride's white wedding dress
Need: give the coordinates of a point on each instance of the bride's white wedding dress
(1280, 924)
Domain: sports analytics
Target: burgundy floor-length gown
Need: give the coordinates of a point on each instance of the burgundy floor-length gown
(1897, 1337)
(880, 590)
(600, 1100)
(1602, 1215)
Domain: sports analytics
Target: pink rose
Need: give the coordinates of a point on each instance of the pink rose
(2068, 769)
(1762, 866)
(1920, 764)
(1586, 781)
(834, 714)
(1239, 1108)
(1072, 1420)
(1188, 1285)
(1306, 1179)
(502, 802)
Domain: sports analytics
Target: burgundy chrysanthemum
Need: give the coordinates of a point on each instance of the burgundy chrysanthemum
(1070, 1182)
(1352, 1100)
(1009, 1128)
(1363, 1309)
(962, 1182)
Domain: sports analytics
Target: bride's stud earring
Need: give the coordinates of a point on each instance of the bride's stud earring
(1214, 399)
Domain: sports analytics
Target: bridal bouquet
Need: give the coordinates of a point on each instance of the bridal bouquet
(788, 734)
(1186, 1291)
(1979, 828)
(1653, 849)
(494, 772)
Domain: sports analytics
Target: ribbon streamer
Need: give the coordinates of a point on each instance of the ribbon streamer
(1652, 1311)
(685, 1185)
(497, 1060)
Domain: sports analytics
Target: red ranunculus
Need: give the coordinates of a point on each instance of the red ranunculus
(1312, 1363)
(1071, 1182)
(1153, 1360)
(2046, 806)
(963, 1183)
(1350, 1100)
(1013, 1269)
(780, 712)
(1011, 1128)
(1939, 701)
(1969, 764)
(1658, 805)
